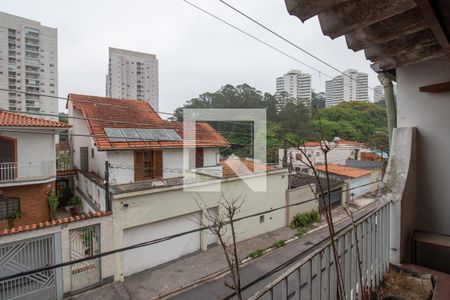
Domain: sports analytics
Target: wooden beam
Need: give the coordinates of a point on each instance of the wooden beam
(433, 21)
(408, 22)
(306, 9)
(352, 15)
(436, 88)
(402, 45)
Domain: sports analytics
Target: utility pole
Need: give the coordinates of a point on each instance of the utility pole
(285, 153)
(107, 198)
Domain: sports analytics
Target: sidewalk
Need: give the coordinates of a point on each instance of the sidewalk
(198, 267)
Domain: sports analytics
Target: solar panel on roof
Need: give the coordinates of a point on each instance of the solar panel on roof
(173, 135)
(115, 135)
(141, 134)
(146, 134)
(131, 134)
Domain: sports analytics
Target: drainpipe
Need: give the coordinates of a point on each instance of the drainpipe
(389, 99)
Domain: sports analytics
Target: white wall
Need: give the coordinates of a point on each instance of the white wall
(106, 243)
(36, 154)
(430, 114)
(357, 184)
(172, 163)
(122, 170)
(151, 206)
(210, 157)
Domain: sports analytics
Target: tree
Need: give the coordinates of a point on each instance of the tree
(295, 120)
(318, 100)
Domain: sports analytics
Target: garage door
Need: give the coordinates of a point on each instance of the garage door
(144, 258)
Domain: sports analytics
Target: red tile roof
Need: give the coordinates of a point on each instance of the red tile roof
(344, 170)
(311, 144)
(54, 222)
(105, 112)
(9, 119)
(243, 167)
(338, 142)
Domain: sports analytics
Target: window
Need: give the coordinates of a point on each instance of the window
(84, 159)
(8, 207)
(92, 152)
(261, 219)
(148, 165)
(199, 157)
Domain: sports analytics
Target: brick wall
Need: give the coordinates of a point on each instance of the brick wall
(33, 203)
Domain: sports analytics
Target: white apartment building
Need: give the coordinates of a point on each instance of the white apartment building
(28, 66)
(350, 86)
(133, 75)
(293, 86)
(378, 93)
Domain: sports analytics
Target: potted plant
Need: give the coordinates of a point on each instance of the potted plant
(52, 204)
(13, 216)
(75, 201)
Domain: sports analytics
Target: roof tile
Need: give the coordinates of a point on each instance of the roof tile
(9, 119)
(344, 170)
(53, 223)
(125, 113)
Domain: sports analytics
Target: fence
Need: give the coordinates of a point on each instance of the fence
(14, 171)
(314, 277)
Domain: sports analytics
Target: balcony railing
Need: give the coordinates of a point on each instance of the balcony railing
(314, 277)
(11, 172)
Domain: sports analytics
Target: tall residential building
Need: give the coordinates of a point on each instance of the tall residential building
(350, 86)
(293, 86)
(378, 93)
(28, 66)
(133, 75)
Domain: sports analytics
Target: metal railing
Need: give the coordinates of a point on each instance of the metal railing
(314, 276)
(14, 171)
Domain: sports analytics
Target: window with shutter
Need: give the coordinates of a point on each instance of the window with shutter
(148, 165)
(199, 157)
(84, 159)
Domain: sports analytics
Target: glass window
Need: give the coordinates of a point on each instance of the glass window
(148, 164)
(9, 207)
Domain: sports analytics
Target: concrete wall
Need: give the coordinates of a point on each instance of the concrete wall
(210, 157)
(303, 195)
(151, 206)
(32, 163)
(122, 166)
(106, 243)
(430, 114)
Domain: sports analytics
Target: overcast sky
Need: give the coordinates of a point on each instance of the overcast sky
(196, 53)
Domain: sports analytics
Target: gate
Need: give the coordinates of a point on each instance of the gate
(27, 255)
(85, 242)
(336, 198)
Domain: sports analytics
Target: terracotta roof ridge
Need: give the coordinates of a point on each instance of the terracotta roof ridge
(51, 223)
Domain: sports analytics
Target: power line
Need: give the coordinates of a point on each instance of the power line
(280, 36)
(269, 45)
(289, 42)
(254, 37)
(160, 240)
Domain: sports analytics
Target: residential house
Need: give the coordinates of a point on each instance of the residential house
(360, 181)
(27, 176)
(149, 195)
(340, 151)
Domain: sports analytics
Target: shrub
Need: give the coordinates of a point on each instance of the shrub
(300, 232)
(303, 219)
(256, 253)
(52, 204)
(279, 244)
